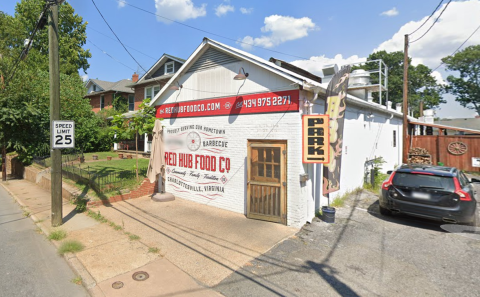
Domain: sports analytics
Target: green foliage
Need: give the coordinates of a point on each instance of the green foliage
(466, 88)
(340, 201)
(25, 99)
(70, 246)
(142, 122)
(422, 86)
(57, 235)
(153, 250)
(80, 204)
(97, 216)
(134, 237)
(72, 36)
(77, 280)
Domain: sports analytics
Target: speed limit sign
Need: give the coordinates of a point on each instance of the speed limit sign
(63, 134)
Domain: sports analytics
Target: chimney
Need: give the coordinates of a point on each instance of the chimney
(398, 107)
(134, 77)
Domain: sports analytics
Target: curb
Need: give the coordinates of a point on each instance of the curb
(88, 281)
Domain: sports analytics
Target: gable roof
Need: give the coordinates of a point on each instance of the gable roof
(106, 86)
(295, 69)
(164, 58)
(207, 43)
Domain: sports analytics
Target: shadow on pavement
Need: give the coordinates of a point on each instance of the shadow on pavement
(245, 274)
(406, 220)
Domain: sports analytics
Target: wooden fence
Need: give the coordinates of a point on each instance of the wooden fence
(437, 145)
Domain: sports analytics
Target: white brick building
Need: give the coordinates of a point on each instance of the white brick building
(237, 144)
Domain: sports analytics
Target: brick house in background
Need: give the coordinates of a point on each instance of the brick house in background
(155, 78)
(101, 93)
(147, 87)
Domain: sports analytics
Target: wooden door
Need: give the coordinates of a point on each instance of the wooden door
(266, 181)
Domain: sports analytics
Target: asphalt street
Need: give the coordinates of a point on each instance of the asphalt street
(365, 254)
(29, 263)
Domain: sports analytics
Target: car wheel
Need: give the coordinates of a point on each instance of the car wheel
(384, 211)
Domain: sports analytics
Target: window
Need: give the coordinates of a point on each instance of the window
(131, 102)
(169, 67)
(151, 92)
(102, 102)
(148, 92)
(94, 88)
(394, 138)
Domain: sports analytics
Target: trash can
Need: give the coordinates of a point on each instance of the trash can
(328, 214)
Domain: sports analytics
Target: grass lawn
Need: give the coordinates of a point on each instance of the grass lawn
(114, 165)
(101, 155)
(107, 170)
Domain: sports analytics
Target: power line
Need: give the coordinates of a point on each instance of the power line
(428, 18)
(116, 60)
(127, 45)
(122, 42)
(458, 48)
(211, 33)
(117, 36)
(436, 20)
(27, 47)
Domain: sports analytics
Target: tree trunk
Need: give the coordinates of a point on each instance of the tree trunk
(4, 163)
(136, 153)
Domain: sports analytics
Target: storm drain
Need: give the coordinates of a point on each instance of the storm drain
(117, 285)
(140, 276)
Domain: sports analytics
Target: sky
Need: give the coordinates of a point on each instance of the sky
(307, 33)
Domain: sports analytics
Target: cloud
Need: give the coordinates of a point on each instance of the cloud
(444, 37)
(246, 10)
(223, 9)
(179, 10)
(316, 63)
(390, 13)
(84, 77)
(439, 78)
(121, 3)
(280, 29)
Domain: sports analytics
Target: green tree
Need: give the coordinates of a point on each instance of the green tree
(422, 86)
(24, 98)
(142, 122)
(466, 88)
(72, 36)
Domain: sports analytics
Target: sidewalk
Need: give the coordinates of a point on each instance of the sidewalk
(198, 246)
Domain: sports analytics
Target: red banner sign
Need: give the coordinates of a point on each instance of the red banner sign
(283, 101)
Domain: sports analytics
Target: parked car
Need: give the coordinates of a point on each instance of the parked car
(433, 192)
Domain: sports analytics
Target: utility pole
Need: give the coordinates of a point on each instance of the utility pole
(4, 148)
(56, 154)
(406, 146)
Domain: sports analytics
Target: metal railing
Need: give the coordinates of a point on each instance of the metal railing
(100, 181)
(68, 155)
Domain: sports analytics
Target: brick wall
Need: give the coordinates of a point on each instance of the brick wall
(95, 101)
(8, 162)
(146, 188)
(140, 92)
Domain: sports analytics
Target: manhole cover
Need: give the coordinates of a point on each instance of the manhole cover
(117, 285)
(140, 276)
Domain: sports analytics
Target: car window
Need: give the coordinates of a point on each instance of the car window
(463, 180)
(405, 179)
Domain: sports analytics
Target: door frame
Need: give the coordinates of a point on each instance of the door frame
(283, 178)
